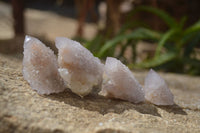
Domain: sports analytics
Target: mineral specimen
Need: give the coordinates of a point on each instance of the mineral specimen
(156, 90)
(80, 70)
(40, 67)
(119, 82)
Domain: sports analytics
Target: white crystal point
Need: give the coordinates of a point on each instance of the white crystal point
(80, 70)
(40, 67)
(119, 82)
(156, 90)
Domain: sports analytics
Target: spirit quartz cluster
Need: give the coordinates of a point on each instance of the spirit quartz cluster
(78, 70)
(40, 67)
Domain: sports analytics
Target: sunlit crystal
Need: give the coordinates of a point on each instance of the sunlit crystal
(156, 90)
(40, 67)
(119, 82)
(80, 70)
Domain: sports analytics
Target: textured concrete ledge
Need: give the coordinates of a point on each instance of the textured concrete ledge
(23, 110)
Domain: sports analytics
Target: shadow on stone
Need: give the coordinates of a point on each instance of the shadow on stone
(176, 109)
(147, 109)
(94, 102)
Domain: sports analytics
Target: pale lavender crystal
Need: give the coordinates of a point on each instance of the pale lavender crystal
(80, 70)
(119, 82)
(40, 67)
(156, 90)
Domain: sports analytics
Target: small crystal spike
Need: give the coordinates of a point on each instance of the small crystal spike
(156, 90)
(119, 82)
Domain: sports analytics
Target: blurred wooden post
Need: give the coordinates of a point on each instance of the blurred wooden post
(113, 16)
(83, 8)
(18, 16)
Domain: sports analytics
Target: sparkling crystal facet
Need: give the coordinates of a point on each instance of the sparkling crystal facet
(40, 67)
(156, 90)
(80, 70)
(119, 82)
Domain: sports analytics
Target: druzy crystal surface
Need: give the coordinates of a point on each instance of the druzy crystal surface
(156, 90)
(40, 67)
(80, 70)
(119, 82)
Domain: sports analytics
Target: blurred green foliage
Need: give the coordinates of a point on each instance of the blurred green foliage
(178, 43)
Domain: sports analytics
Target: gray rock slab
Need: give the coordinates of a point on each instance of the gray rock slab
(23, 110)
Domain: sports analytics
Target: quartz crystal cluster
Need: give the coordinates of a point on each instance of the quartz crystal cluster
(119, 82)
(40, 67)
(156, 90)
(78, 70)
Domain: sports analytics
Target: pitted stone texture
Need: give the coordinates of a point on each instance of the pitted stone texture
(23, 110)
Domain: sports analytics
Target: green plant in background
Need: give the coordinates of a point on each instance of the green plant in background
(178, 44)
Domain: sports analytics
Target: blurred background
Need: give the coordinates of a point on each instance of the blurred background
(143, 34)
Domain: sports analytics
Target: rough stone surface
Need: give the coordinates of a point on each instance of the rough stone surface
(23, 110)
